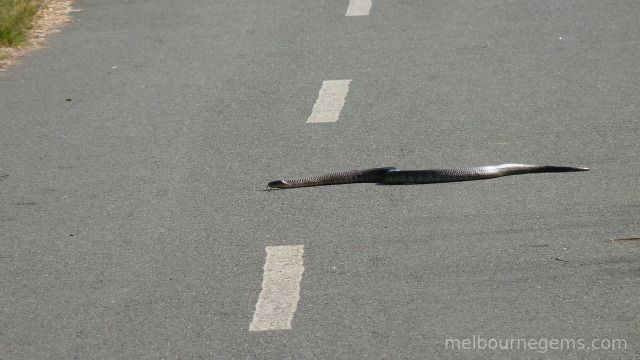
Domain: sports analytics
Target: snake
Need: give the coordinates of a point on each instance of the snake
(393, 176)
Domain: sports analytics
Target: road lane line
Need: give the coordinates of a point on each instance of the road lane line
(280, 293)
(358, 8)
(330, 101)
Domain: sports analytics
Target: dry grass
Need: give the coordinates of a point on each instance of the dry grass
(25, 23)
(16, 18)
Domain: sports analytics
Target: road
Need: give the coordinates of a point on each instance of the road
(134, 149)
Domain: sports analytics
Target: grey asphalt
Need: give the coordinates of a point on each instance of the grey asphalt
(134, 149)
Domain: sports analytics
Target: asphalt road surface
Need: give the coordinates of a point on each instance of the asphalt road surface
(134, 149)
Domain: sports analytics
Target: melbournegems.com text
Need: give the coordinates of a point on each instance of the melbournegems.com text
(477, 342)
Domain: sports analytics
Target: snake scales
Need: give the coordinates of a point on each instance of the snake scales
(393, 176)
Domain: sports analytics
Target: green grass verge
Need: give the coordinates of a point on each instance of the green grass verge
(16, 19)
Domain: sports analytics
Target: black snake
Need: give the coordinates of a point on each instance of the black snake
(393, 176)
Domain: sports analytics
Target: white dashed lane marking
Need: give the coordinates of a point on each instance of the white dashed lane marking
(280, 293)
(330, 101)
(358, 8)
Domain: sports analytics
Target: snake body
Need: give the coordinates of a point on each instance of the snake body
(393, 176)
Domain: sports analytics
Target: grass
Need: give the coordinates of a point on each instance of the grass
(25, 23)
(16, 19)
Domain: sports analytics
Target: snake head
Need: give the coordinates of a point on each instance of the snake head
(278, 184)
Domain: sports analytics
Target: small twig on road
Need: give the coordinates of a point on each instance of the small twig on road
(546, 246)
(626, 241)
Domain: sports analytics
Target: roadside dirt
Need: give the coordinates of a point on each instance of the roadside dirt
(54, 14)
